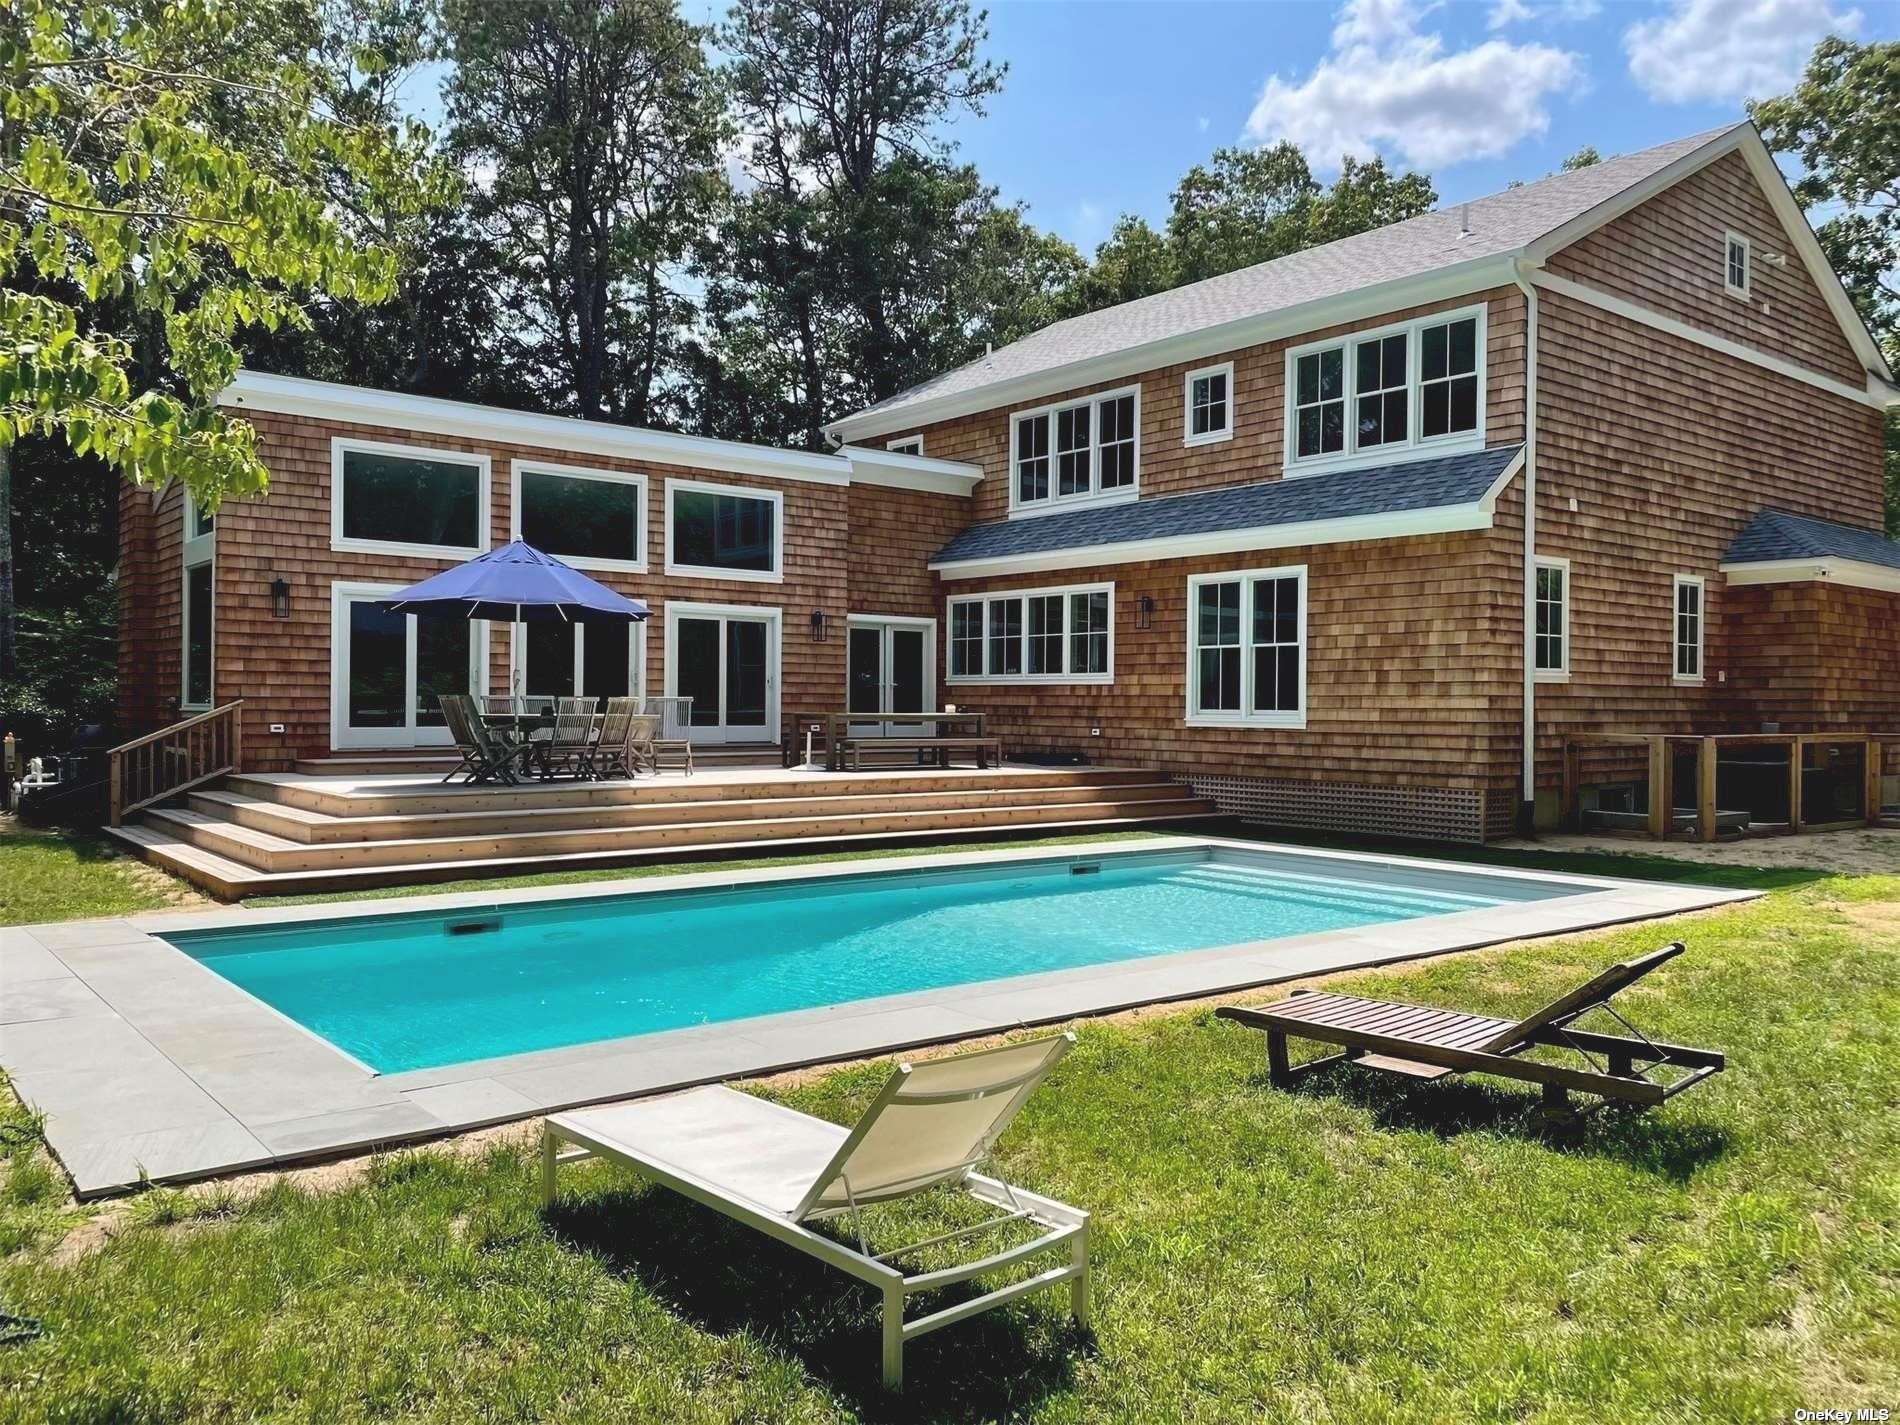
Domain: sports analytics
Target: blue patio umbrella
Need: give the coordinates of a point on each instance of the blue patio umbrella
(516, 584)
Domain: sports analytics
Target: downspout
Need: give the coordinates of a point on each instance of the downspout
(1527, 800)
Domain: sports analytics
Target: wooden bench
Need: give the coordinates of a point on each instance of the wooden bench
(984, 749)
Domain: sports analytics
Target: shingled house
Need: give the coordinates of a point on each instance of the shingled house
(1349, 539)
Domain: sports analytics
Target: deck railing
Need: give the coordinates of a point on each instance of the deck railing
(174, 759)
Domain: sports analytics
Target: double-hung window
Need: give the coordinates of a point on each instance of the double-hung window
(1247, 648)
(1736, 277)
(1382, 394)
(1063, 635)
(1688, 628)
(1209, 403)
(1550, 615)
(1079, 451)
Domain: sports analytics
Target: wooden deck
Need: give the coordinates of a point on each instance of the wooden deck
(294, 832)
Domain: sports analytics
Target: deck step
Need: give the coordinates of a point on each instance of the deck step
(234, 880)
(268, 851)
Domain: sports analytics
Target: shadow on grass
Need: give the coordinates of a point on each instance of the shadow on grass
(1654, 1141)
(725, 1278)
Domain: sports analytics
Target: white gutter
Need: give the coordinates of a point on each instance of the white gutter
(1527, 801)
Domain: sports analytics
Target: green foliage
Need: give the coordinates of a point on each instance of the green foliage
(1585, 157)
(184, 167)
(67, 672)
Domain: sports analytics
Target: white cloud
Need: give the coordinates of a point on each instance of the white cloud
(1726, 50)
(1507, 12)
(1386, 86)
(1516, 12)
(1203, 123)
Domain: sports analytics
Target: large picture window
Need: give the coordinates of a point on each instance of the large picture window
(1061, 635)
(1408, 387)
(408, 500)
(723, 531)
(1080, 451)
(1247, 648)
(593, 519)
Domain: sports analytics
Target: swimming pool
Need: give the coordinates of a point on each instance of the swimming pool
(414, 991)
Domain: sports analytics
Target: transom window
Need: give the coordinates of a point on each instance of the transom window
(1735, 264)
(1085, 450)
(723, 531)
(1247, 648)
(1688, 597)
(594, 519)
(906, 445)
(1209, 402)
(1401, 388)
(1034, 635)
(392, 497)
(1551, 634)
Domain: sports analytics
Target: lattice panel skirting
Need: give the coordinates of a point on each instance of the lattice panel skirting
(1431, 813)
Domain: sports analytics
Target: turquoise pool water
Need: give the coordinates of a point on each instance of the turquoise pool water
(418, 991)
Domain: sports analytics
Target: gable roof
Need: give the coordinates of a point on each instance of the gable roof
(1414, 497)
(1775, 536)
(1445, 252)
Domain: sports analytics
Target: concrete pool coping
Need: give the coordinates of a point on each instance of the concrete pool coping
(148, 1066)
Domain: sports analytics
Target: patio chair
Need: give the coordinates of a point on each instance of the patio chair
(633, 753)
(933, 1125)
(569, 743)
(673, 742)
(608, 749)
(487, 756)
(1426, 1043)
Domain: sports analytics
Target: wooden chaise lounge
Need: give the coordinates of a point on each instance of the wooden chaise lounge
(1429, 1043)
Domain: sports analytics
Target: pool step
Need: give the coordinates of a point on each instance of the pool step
(232, 879)
(269, 852)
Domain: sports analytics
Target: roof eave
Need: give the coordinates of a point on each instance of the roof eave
(1855, 573)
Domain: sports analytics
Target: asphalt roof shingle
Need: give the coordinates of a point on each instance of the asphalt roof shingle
(1498, 224)
(1385, 489)
(1776, 534)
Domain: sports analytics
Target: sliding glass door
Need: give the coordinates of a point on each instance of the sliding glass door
(725, 658)
(388, 671)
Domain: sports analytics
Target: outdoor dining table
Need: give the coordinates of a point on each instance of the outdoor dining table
(943, 724)
(520, 725)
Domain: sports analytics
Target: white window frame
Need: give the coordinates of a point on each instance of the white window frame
(196, 534)
(484, 499)
(1676, 645)
(771, 615)
(342, 736)
(984, 600)
(518, 468)
(1094, 495)
(1561, 674)
(1246, 578)
(906, 445)
(200, 553)
(1212, 437)
(1729, 240)
(1414, 446)
(636, 656)
(776, 498)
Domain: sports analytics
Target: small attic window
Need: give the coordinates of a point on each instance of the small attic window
(1735, 264)
(906, 445)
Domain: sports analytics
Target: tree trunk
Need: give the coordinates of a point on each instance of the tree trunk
(8, 655)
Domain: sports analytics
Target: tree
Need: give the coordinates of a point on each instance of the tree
(851, 238)
(1585, 157)
(596, 125)
(172, 174)
(1840, 120)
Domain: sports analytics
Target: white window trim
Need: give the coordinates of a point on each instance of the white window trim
(1552, 675)
(1729, 239)
(342, 737)
(198, 543)
(339, 445)
(775, 575)
(636, 656)
(1700, 676)
(1194, 717)
(518, 468)
(925, 626)
(1095, 496)
(954, 679)
(1413, 447)
(184, 632)
(772, 615)
(1213, 437)
(906, 445)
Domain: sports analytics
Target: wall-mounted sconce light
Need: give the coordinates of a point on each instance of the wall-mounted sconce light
(1145, 611)
(279, 599)
(820, 626)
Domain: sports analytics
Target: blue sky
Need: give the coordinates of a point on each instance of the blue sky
(1108, 102)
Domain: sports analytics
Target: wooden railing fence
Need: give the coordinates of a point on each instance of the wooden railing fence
(174, 759)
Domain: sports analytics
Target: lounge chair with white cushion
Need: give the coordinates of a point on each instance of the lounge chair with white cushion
(933, 1125)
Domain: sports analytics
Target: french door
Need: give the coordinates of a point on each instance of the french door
(725, 657)
(389, 671)
(890, 666)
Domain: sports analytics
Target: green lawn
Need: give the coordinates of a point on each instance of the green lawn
(1361, 1249)
(56, 875)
